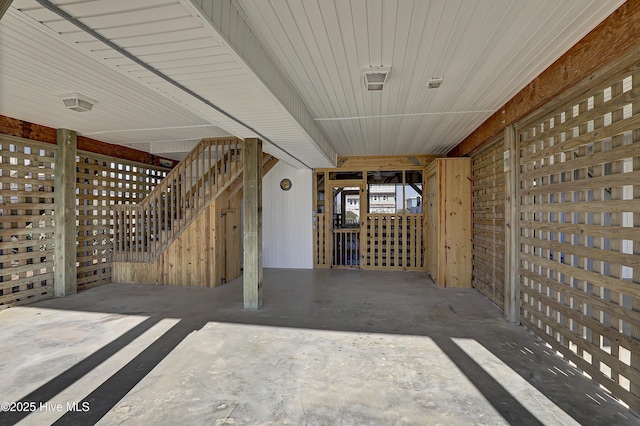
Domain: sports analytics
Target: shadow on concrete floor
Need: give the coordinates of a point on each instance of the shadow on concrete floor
(394, 303)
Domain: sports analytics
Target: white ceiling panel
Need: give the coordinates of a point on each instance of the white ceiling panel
(487, 50)
(30, 90)
(290, 70)
(173, 50)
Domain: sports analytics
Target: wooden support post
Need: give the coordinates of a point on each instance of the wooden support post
(512, 230)
(252, 221)
(65, 276)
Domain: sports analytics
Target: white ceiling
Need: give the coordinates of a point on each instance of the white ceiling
(289, 70)
(487, 50)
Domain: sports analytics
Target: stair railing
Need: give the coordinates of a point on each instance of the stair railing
(142, 231)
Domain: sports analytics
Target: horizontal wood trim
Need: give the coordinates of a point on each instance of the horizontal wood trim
(615, 257)
(619, 232)
(24, 129)
(611, 206)
(614, 154)
(384, 162)
(619, 179)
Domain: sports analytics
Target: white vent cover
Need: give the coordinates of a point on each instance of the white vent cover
(435, 82)
(77, 102)
(375, 77)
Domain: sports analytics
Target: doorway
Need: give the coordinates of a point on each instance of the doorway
(347, 226)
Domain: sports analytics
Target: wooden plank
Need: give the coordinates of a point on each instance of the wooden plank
(614, 154)
(454, 226)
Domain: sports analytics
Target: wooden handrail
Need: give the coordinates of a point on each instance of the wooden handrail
(142, 231)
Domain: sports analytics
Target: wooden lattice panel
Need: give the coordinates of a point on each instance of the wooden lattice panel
(488, 222)
(26, 221)
(102, 182)
(393, 242)
(580, 233)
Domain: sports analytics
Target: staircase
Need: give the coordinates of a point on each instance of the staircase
(142, 232)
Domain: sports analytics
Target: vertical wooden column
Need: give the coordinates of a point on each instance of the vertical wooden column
(64, 219)
(511, 273)
(252, 221)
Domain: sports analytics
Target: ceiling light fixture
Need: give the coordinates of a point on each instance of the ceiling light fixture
(376, 77)
(435, 82)
(77, 102)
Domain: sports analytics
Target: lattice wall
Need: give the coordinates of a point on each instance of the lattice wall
(488, 222)
(102, 182)
(26, 220)
(393, 242)
(580, 233)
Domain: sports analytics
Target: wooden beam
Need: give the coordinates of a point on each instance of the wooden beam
(252, 221)
(512, 278)
(36, 132)
(613, 42)
(385, 162)
(64, 219)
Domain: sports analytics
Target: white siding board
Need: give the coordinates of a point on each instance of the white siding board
(287, 219)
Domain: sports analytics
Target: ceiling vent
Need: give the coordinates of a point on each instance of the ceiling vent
(77, 102)
(435, 82)
(375, 78)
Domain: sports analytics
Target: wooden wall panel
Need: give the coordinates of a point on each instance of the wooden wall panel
(580, 234)
(26, 220)
(488, 222)
(448, 210)
(205, 254)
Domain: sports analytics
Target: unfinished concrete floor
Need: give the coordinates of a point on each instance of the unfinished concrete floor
(329, 347)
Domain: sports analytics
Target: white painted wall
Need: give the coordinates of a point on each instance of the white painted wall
(287, 233)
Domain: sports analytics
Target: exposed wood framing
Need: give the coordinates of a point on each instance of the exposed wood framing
(383, 241)
(36, 132)
(612, 44)
(65, 215)
(385, 162)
